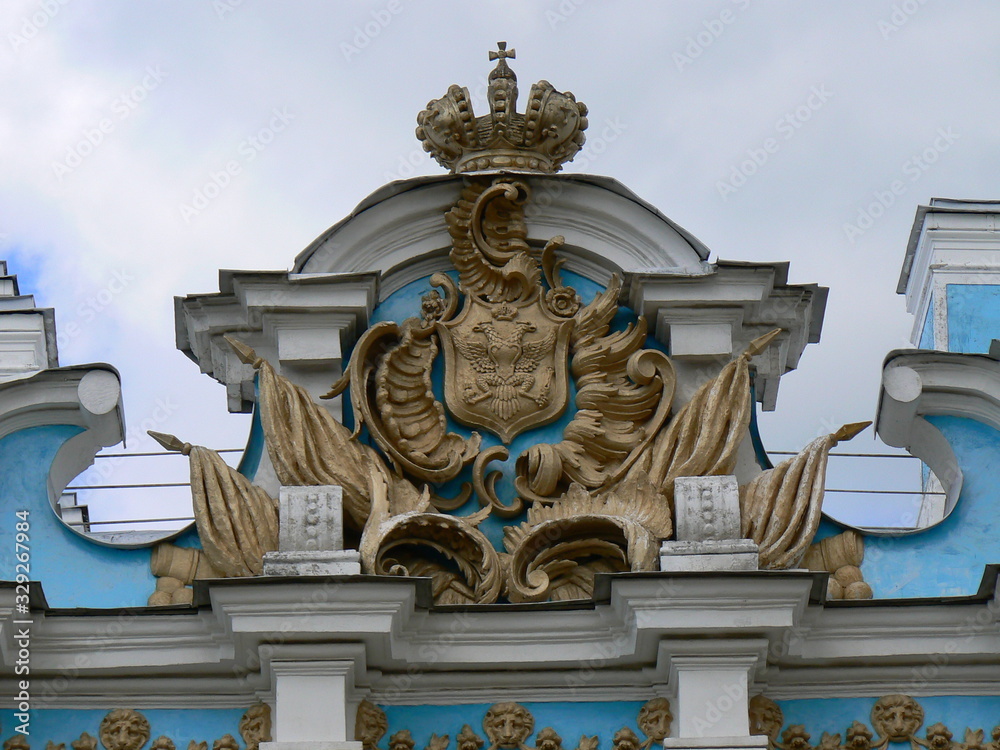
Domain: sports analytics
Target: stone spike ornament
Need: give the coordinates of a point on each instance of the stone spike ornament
(548, 134)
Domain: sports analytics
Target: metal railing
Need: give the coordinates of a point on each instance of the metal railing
(144, 486)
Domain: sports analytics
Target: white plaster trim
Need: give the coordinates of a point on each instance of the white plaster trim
(406, 219)
(87, 396)
(919, 384)
(406, 656)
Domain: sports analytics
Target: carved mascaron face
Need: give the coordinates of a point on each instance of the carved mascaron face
(508, 725)
(255, 726)
(124, 729)
(765, 717)
(897, 717)
(655, 719)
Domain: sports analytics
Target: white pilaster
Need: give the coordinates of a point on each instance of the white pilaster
(713, 702)
(312, 704)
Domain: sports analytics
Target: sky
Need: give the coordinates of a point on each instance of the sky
(772, 131)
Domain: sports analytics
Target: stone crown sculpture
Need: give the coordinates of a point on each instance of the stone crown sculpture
(549, 133)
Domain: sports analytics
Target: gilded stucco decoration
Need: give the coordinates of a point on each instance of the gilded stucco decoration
(766, 717)
(370, 724)
(509, 726)
(655, 719)
(781, 507)
(255, 726)
(124, 729)
(548, 134)
(894, 718)
(501, 344)
(510, 333)
(127, 729)
(841, 556)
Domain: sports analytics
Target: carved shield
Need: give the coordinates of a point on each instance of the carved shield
(505, 365)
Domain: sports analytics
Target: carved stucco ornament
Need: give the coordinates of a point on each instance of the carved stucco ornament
(781, 507)
(896, 718)
(766, 717)
(509, 726)
(255, 726)
(124, 729)
(511, 333)
(655, 718)
(370, 724)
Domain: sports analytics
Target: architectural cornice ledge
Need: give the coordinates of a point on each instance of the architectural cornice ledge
(629, 641)
(294, 320)
(921, 383)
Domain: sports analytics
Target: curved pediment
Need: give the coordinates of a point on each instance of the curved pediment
(398, 231)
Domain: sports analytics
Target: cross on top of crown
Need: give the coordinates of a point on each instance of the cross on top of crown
(502, 52)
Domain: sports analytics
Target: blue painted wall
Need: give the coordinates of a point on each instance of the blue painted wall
(927, 334)
(182, 726)
(948, 559)
(835, 715)
(73, 571)
(973, 317)
(570, 720)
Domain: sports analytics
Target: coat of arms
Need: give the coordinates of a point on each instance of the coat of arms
(512, 334)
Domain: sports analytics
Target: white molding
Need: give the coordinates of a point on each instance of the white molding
(405, 655)
(916, 384)
(404, 220)
(87, 396)
(278, 314)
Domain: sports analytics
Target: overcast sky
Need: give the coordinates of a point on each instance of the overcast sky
(116, 113)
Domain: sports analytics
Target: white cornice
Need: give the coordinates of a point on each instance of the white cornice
(404, 654)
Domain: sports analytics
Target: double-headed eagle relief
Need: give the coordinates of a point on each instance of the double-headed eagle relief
(502, 345)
